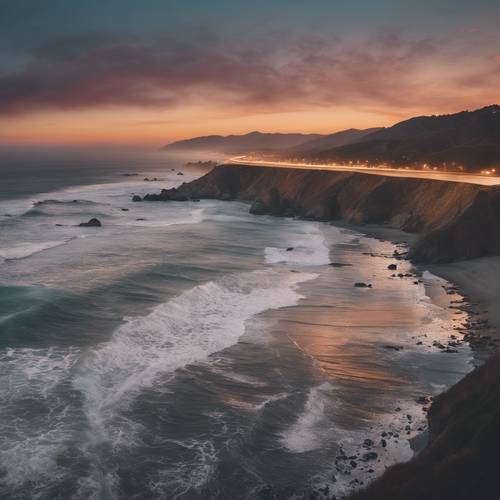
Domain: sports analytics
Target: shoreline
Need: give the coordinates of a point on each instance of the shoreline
(441, 224)
(475, 280)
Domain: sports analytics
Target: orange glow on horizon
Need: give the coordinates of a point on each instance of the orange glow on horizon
(123, 126)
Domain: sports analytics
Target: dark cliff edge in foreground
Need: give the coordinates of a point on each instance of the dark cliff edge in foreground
(462, 458)
(455, 221)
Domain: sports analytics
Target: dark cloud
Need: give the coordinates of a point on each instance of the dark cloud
(95, 71)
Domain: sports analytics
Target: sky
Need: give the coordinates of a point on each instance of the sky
(147, 72)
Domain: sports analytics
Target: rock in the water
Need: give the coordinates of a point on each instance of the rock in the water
(289, 249)
(180, 173)
(258, 208)
(339, 264)
(136, 197)
(167, 195)
(360, 284)
(124, 209)
(392, 267)
(371, 455)
(423, 400)
(393, 347)
(91, 223)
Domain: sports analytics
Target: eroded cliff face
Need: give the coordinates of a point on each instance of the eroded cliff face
(455, 220)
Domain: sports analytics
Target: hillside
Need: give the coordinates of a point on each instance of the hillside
(240, 144)
(469, 139)
(341, 138)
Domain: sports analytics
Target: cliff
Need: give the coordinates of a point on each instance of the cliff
(455, 221)
(462, 458)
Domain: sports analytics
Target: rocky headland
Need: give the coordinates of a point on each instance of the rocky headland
(454, 221)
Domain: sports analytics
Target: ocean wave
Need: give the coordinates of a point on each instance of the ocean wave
(189, 475)
(192, 216)
(64, 202)
(305, 249)
(30, 444)
(307, 432)
(186, 329)
(19, 251)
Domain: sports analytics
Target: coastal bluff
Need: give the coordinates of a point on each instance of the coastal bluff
(454, 220)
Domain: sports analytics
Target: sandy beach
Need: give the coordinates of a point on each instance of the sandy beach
(477, 280)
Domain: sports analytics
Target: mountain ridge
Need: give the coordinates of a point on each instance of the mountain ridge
(246, 143)
(468, 140)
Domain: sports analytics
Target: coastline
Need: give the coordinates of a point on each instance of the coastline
(475, 279)
(442, 224)
(427, 474)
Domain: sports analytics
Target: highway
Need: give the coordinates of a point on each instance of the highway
(482, 179)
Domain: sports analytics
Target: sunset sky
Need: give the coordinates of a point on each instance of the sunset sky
(151, 71)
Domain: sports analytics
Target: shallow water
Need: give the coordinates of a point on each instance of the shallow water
(189, 354)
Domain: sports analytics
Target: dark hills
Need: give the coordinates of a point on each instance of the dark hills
(341, 138)
(469, 139)
(240, 144)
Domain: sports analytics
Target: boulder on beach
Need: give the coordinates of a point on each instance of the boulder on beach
(371, 455)
(136, 197)
(91, 223)
(392, 267)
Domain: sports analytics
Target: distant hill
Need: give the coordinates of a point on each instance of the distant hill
(470, 139)
(240, 144)
(333, 140)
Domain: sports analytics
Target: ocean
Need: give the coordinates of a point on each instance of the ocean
(190, 350)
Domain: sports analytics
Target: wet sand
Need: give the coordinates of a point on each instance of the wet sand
(477, 279)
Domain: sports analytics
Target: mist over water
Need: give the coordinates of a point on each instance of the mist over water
(192, 350)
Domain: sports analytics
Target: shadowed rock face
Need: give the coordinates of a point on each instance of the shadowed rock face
(456, 220)
(462, 459)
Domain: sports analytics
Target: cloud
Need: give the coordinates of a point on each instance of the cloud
(93, 70)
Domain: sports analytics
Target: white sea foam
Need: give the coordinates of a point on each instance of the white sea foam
(186, 476)
(307, 432)
(309, 249)
(29, 446)
(186, 329)
(24, 250)
(161, 219)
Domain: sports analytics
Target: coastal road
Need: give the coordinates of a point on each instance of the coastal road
(483, 179)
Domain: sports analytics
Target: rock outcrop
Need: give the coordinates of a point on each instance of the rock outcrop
(91, 223)
(455, 220)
